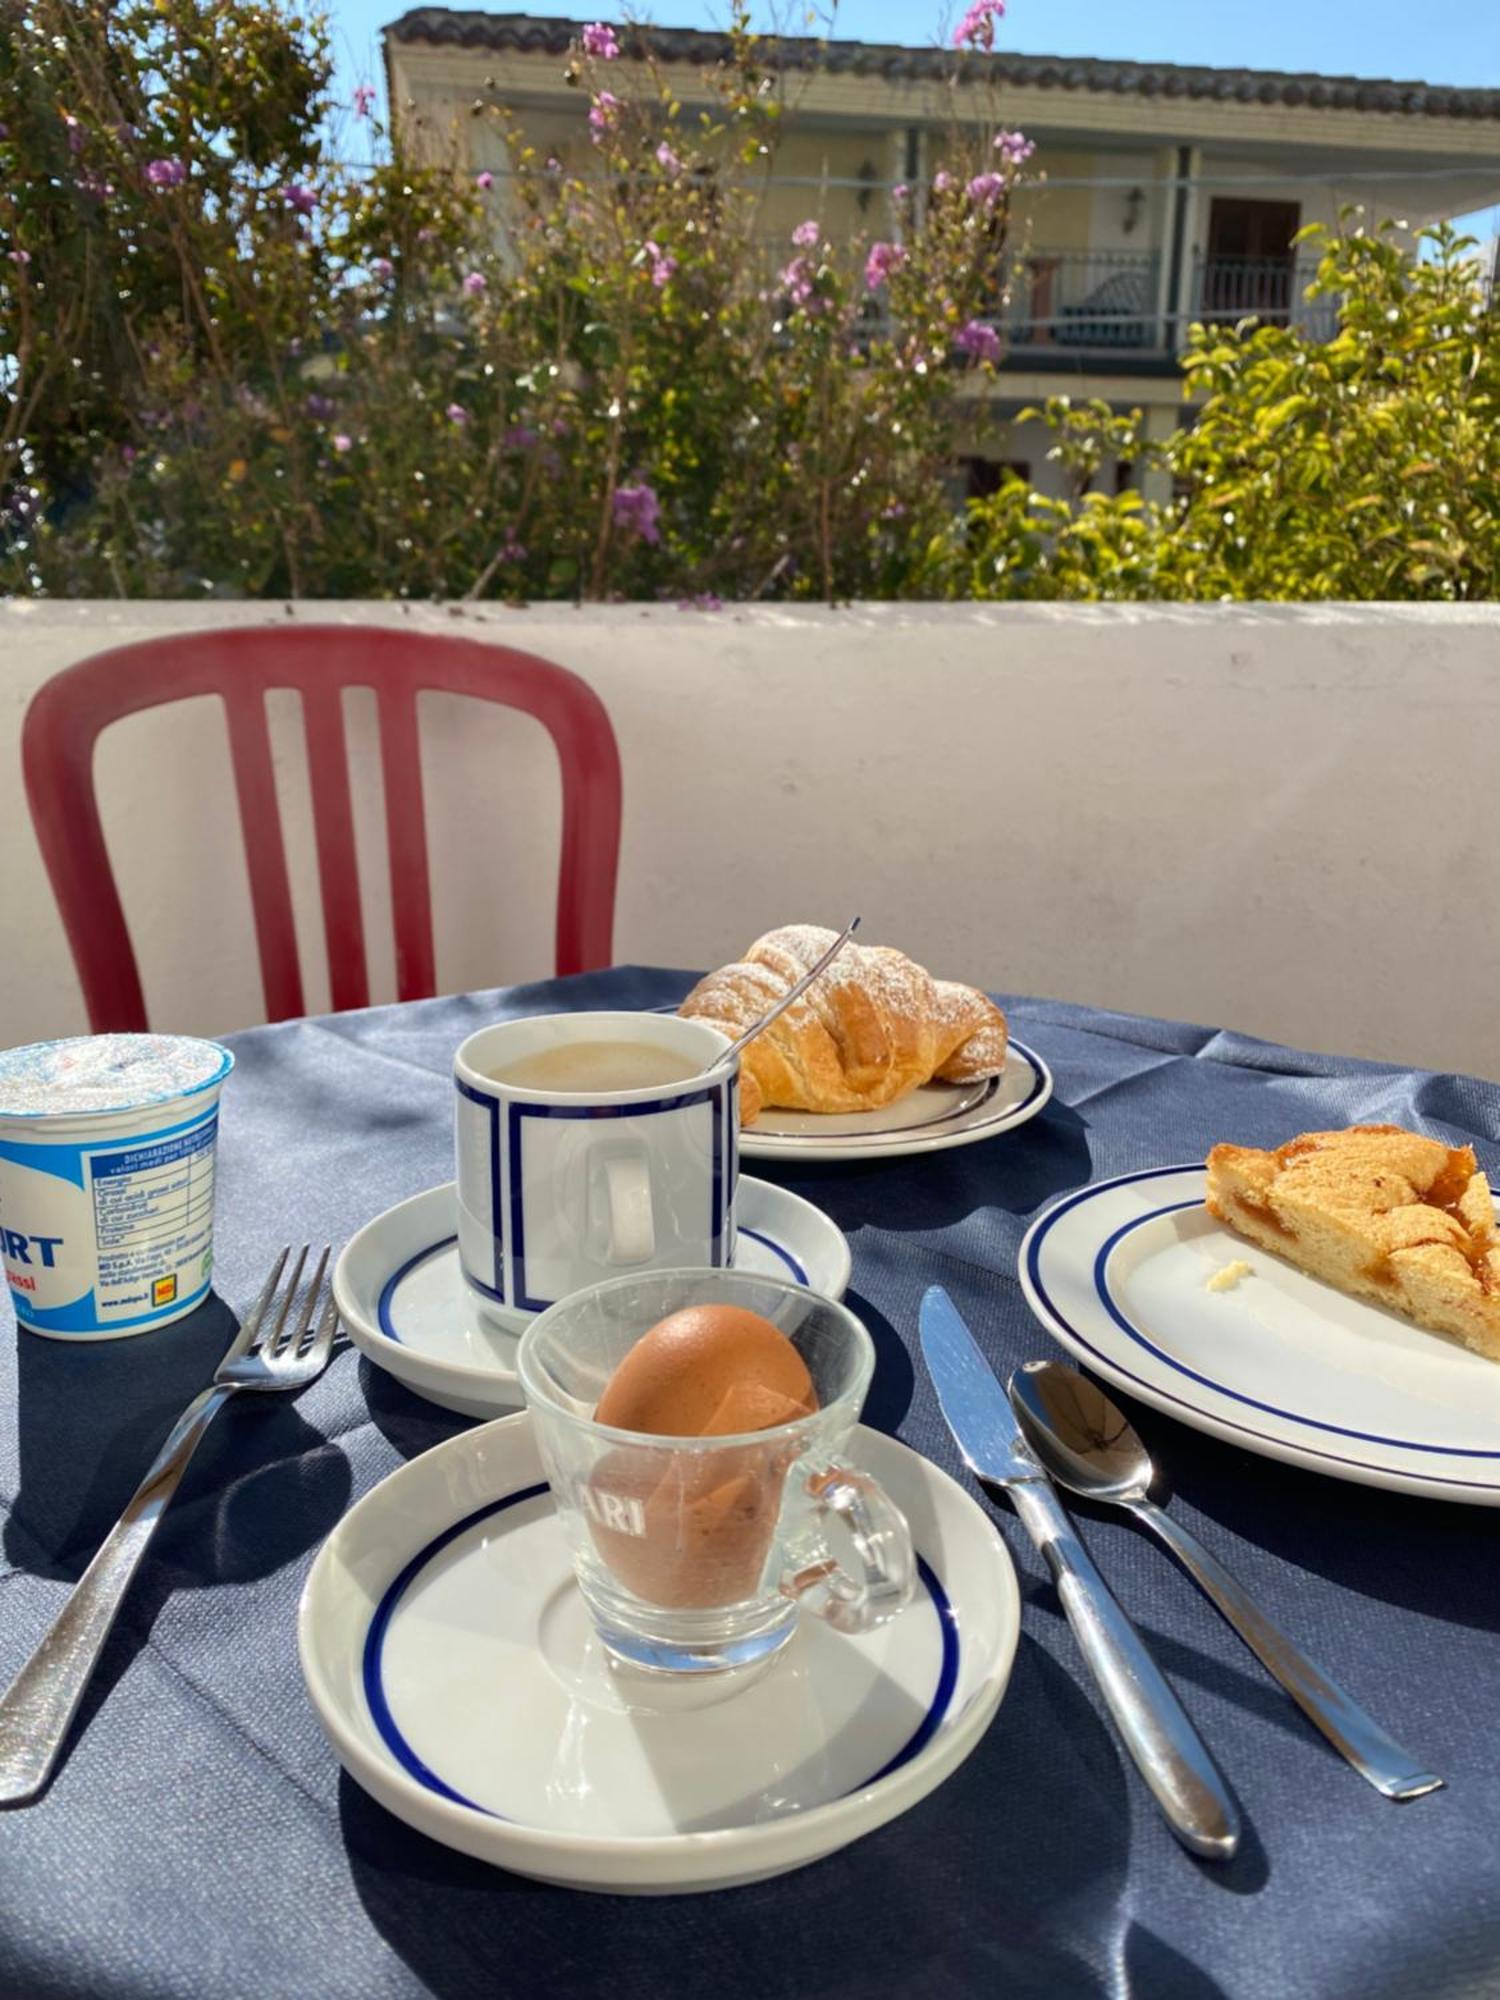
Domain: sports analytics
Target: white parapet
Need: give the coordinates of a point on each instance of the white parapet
(1268, 818)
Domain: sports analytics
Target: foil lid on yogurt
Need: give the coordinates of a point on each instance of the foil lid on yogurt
(100, 1073)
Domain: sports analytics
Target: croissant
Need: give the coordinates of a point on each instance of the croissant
(872, 1028)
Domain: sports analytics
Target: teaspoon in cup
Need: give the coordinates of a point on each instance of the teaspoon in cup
(1089, 1446)
(794, 993)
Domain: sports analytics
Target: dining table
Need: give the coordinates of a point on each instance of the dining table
(200, 1840)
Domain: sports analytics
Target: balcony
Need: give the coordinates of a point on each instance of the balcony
(1109, 301)
(1085, 299)
(1273, 289)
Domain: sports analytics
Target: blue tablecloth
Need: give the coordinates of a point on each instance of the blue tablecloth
(199, 1841)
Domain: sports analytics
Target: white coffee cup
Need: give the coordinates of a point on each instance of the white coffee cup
(558, 1189)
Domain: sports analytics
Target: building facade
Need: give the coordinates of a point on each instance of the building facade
(1165, 194)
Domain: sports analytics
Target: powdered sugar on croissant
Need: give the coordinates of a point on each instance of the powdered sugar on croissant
(874, 1026)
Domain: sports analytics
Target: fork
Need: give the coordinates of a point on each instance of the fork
(40, 1703)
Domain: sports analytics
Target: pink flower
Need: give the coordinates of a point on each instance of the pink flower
(74, 131)
(165, 173)
(382, 267)
(637, 510)
(986, 189)
(599, 42)
(456, 413)
(511, 550)
(364, 100)
(806, 235)
(299, 197)
(977, 28)
(520, 437)
(942, 180)
(1014, 148)
(604, 113)
(900, 191)
(883, 260)
(978, 339)
(21, 258)
(663, 265)
(797, 282)
(342, 442)
(667, 160)
(485, 181)
(474, 284)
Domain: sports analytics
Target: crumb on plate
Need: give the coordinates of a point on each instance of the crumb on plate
(1228, 1277)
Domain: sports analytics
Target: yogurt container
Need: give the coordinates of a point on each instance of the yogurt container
(107, 1180)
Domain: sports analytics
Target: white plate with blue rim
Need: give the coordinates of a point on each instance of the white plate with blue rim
(927, 1120)
(1276, 1362)
(452, 1664)
(403, 1299)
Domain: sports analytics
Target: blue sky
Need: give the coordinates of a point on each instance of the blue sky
(1441, 41)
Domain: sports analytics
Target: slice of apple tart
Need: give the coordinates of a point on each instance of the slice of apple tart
(1380, 1212)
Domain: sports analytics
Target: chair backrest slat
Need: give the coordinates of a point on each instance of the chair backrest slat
(239, 665)
(590, 844)
(265, 849)
(333, 829)
(406, 835)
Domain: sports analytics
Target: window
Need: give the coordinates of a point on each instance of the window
(1248, 268)
(984, 476)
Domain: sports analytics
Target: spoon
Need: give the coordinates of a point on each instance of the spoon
(1087, 1444)
(759, 1027)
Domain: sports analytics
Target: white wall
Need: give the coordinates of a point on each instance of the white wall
(1272, 819)
(1107, 210)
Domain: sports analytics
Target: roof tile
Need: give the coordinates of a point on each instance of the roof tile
(473, 29)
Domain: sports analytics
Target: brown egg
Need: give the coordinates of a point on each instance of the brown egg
(698, 1535)
(708, 1371)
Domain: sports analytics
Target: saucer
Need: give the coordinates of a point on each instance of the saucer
(453, 1666)
(403, 1299)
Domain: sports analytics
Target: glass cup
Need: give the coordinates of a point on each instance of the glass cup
(695, 1555)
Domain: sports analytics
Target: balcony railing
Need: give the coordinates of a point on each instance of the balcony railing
(1273, 289)
(1085, 299)
(1113, 299)
(1064, 305)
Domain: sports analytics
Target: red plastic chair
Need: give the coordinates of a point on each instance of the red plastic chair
(240, 665)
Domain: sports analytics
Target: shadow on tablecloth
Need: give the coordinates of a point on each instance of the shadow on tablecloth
(91, 1418)
(1379, 1545)
(407, 1421)
(1016, 1173)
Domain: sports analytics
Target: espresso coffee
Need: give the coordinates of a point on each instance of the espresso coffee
(585, 1068)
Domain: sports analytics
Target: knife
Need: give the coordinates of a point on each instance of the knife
(1168, 1751)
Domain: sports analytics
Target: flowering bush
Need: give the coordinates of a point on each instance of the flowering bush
(1362, 466)
(241, 359)
(243, 366)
